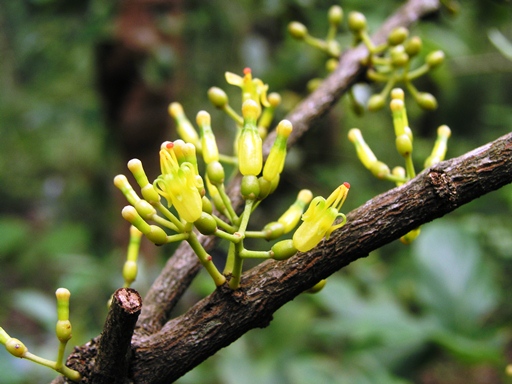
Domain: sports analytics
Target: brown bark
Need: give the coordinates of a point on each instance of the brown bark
(224, 316)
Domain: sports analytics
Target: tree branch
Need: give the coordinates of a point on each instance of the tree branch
(224, 316)
(181, 269)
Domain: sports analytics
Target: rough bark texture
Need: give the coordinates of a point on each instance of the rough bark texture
(224, 316)
(111, 365)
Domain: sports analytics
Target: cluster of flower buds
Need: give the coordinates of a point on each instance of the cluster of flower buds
(388, 63)
(404, 146)
(63, 332)
(190, 198)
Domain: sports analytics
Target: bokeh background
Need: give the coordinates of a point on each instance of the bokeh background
(84, 87)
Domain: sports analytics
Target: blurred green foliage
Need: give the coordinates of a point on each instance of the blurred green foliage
(438, 311)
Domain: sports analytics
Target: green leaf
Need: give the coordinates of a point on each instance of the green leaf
(454, 281)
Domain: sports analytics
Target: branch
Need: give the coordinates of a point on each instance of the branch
(224, 316)
(181, 269)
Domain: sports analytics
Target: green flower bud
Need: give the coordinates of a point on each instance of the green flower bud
(206, 224)
(145, 209)
(356, 22)
(218, 97)
(333, 48)
(409, 237)
(130, 270)
(150, 194)
(121, 182)
(183, 125)
(404, 145)
(364, 153)
(335, 15)
(15, 347)
(266, 188)
(208, 142)
(250, 155)
(379, 169)
(156, 235)
(135, 167)
(331, 65)
(297, 30)
(207, 205)
(426, 101)
(317, 287)
(215, 172)
(273, 230)
(440, 146)
(398, 36)
(63, 330)
(62, 295)
(413, 46)
(283, 250)
(376, 102)
(435, 59)
(399, 57)
(250, 187)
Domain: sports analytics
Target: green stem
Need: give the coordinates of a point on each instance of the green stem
(409, 167)
(206, 260)
(169, 215)
(247, 254)
(164, 223)
(232, 216)
(236, 274)
(65, 370)
(230, 260)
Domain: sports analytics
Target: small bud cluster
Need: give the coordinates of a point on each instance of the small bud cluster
(63, 332)
(189, 196)
(388, 63)
(404, 146)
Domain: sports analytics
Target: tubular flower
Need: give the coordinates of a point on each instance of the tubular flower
(179, 184)
(319, 218)
(252, 89)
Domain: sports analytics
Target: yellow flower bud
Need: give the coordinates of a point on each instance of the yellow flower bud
(130, 270)
(218, 97)
(404, 145)
(335, 15)
(291, 217)
(183, 125)
(121, 182)
(250, 155)
(398, 35)
(63, 330)
(317, 287)
(208, 142)
(276, 158)
(364, 152)
(356, 22)
(439, 151)
(297, 30)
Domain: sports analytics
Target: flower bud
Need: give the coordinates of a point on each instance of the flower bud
(277, 155)
(63, 330)
(291, 217)
(379, 169)
(440, 146)
(297, 30)
(399, 58)
(218, 97)
(215, 172)
(62, 295)
(183, 125)
(130, 270)
(404, 145)
(135, 167)
(273, 230)
(409, 237)
(156, 235)
(331, 65)
(398, 35)
(150, 194)
(208, 142)
(250, 155)
(283, 250)
(250, 187)
(376, 102)
(413, 46)
(335, 15)
(317, 287)
(356, 22)
(426, 101)
(15, 347)
(435, 59)
(206, 224)
(365, 154)
(121, 182)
